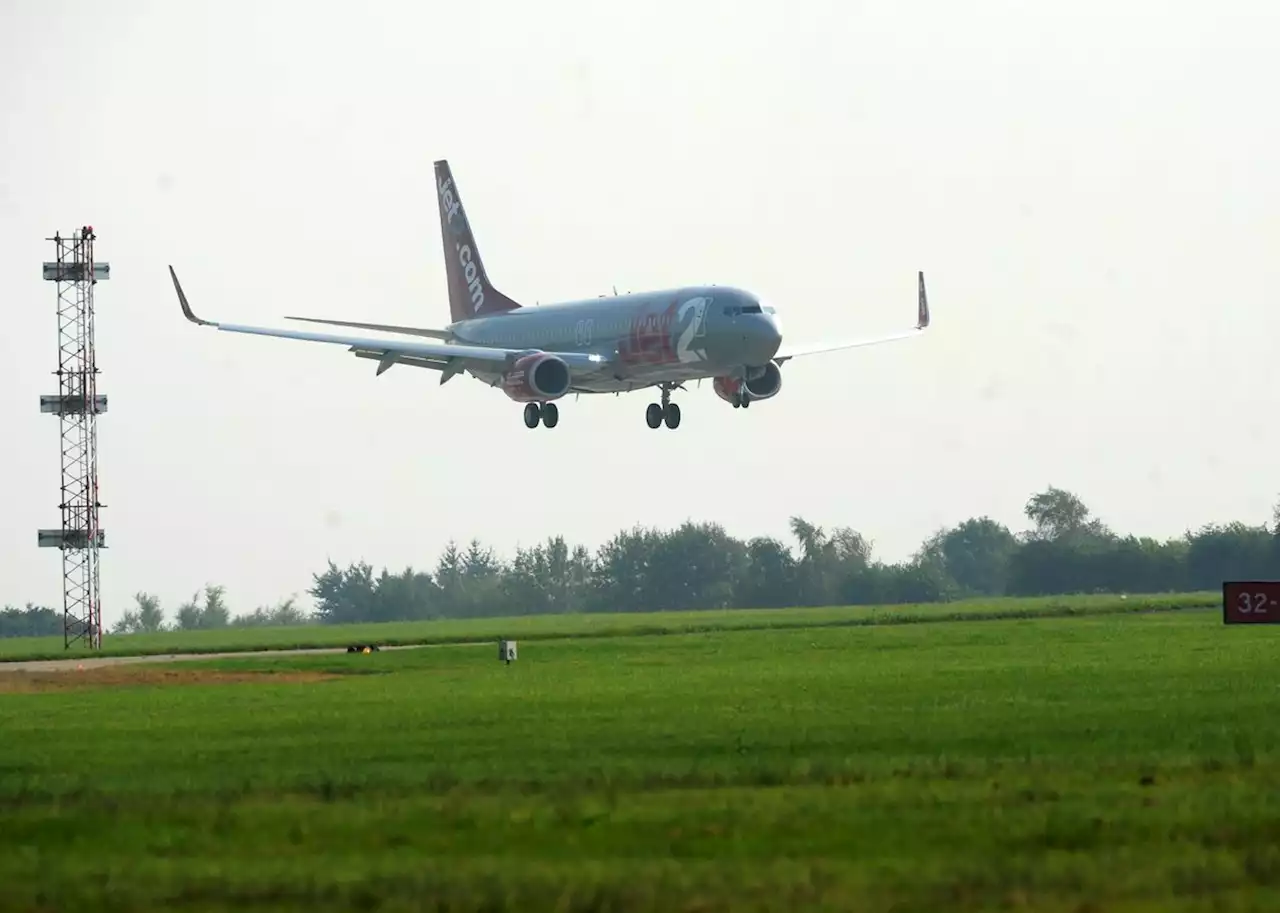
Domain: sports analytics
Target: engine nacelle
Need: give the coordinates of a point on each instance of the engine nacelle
(766, 383)
(761, 383)
(537, 377)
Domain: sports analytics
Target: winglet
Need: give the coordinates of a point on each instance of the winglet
(922, 314)
(182, 300)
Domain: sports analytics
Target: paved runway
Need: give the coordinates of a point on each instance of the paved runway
(94, 662)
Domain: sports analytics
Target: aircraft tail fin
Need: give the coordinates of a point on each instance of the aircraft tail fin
(471, 294)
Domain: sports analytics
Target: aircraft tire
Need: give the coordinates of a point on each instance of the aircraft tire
(550, 414)
(532, 415)
(653, 415)
(672, 416)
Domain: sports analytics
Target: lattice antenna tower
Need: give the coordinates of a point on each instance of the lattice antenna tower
(77, 406)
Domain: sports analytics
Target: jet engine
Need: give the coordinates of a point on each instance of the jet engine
(536, 377)
(760, 383)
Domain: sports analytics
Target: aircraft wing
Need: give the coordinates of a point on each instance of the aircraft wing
(447, 357)
(382, 327)
(922, 322)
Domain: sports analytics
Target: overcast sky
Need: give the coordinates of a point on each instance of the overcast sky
(1091, 189)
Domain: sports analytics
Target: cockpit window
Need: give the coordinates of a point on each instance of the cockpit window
(733, 310)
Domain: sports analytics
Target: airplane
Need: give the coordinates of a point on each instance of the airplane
(538, 355)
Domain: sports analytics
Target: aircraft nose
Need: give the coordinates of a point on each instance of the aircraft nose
(765, 338)
(775, 334)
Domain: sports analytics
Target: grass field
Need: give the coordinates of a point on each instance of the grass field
(1095, 763)
(544, 627)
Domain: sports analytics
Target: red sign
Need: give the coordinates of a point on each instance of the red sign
(1251, 602)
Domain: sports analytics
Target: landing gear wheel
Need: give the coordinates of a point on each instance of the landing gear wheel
(672, 416)
(532, 415)
(653, 415)
(550, 414)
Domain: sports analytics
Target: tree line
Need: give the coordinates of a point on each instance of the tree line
(206, 609)
(1065, 550)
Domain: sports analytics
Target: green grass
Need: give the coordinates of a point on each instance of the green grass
(546, 627)
(1102, 763)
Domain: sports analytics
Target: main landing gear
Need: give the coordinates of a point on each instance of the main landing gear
(668, 411)
(547, 413)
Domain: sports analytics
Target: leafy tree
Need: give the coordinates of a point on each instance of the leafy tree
(213, 613)
(150, 615)
(975, 554)
(526, 587)
(1230, 551)
(146, 618)
(769, 579)
(826, 561)
(623, 570)
(32, 621)
(282, 614)
(549, 577)
(479, 562)
(697, 566)
(408, 596)
(470, 582)
(190, 614)
(890, 584)
(1058, 515)
(449, 572)
(344, 597)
